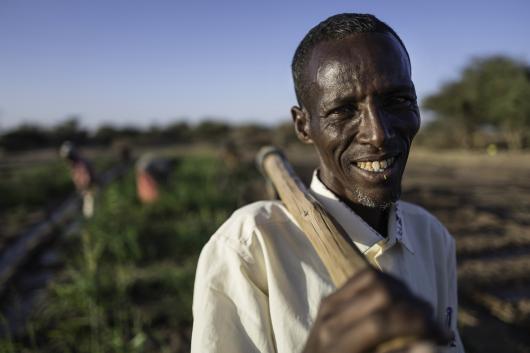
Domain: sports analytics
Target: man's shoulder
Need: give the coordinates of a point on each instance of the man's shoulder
(245, 228)
(420, 217)
(414, 211)
(260, 212)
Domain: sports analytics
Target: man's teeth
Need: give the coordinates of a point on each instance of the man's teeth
(376, 166)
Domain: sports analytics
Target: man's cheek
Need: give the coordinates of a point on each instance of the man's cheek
(412, 125)
(408, 130)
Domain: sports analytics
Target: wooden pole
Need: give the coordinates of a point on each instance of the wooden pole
(339, 255)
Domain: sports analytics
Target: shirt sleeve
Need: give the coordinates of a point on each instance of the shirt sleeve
(230, 303)
(451, 311)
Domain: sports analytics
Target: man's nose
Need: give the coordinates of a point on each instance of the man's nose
(375, 128)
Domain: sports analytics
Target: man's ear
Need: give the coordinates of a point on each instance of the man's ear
(301, 120)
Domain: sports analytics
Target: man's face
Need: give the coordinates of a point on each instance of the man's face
(360, 112)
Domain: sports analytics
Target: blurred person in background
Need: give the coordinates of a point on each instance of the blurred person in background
(151, 174)
(83, 176)
(260, 286)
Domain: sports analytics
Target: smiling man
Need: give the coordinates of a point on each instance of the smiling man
(260, 286)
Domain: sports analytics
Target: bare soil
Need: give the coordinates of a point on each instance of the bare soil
(484, 201)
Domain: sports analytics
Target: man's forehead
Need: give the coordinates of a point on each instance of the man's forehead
(330, 72)
(362, 54)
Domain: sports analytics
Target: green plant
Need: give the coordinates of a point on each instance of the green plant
(128, 282)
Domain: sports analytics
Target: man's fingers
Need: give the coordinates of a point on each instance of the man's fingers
(404, 345)
(365, 302)
(386, 325)
(422, 347)
(335, 301)
(442, 336)
(375, 310)
(365, 294)
(399, 346)
(355, 284)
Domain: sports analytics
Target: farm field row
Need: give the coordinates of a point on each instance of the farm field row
(132, 262)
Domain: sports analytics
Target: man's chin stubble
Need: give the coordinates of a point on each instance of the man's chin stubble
(368, 201)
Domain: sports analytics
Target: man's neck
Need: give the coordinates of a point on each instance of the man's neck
(375, 217)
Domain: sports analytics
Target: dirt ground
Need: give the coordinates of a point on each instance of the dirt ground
(484, 201)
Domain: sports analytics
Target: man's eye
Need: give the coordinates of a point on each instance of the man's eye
(399, 102)
(345, 110)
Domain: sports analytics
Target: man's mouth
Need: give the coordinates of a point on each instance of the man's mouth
(376, 166)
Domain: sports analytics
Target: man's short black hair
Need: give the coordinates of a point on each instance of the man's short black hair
(335, 27)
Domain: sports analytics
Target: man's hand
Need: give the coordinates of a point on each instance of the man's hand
(370, 311)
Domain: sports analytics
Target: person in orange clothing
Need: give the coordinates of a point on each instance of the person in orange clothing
(151, 173)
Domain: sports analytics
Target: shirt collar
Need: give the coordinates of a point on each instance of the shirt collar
(397, 226)
(358, 230)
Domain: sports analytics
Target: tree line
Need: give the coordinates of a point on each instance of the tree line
(488, 104)
(31, 136)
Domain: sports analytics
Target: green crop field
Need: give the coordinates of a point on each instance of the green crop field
(128, 280)
(28, 192)
(31, 189)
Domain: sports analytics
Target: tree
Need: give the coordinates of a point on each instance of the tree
(455, 104)
(177, 132)
(25, 137)
(491, 91)
(505, 95)
(70, 129)
(105, 135)
(212, 131)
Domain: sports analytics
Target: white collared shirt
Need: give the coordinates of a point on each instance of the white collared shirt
(259, 282)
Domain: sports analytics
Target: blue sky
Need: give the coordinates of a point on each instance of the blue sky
(153, 61)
